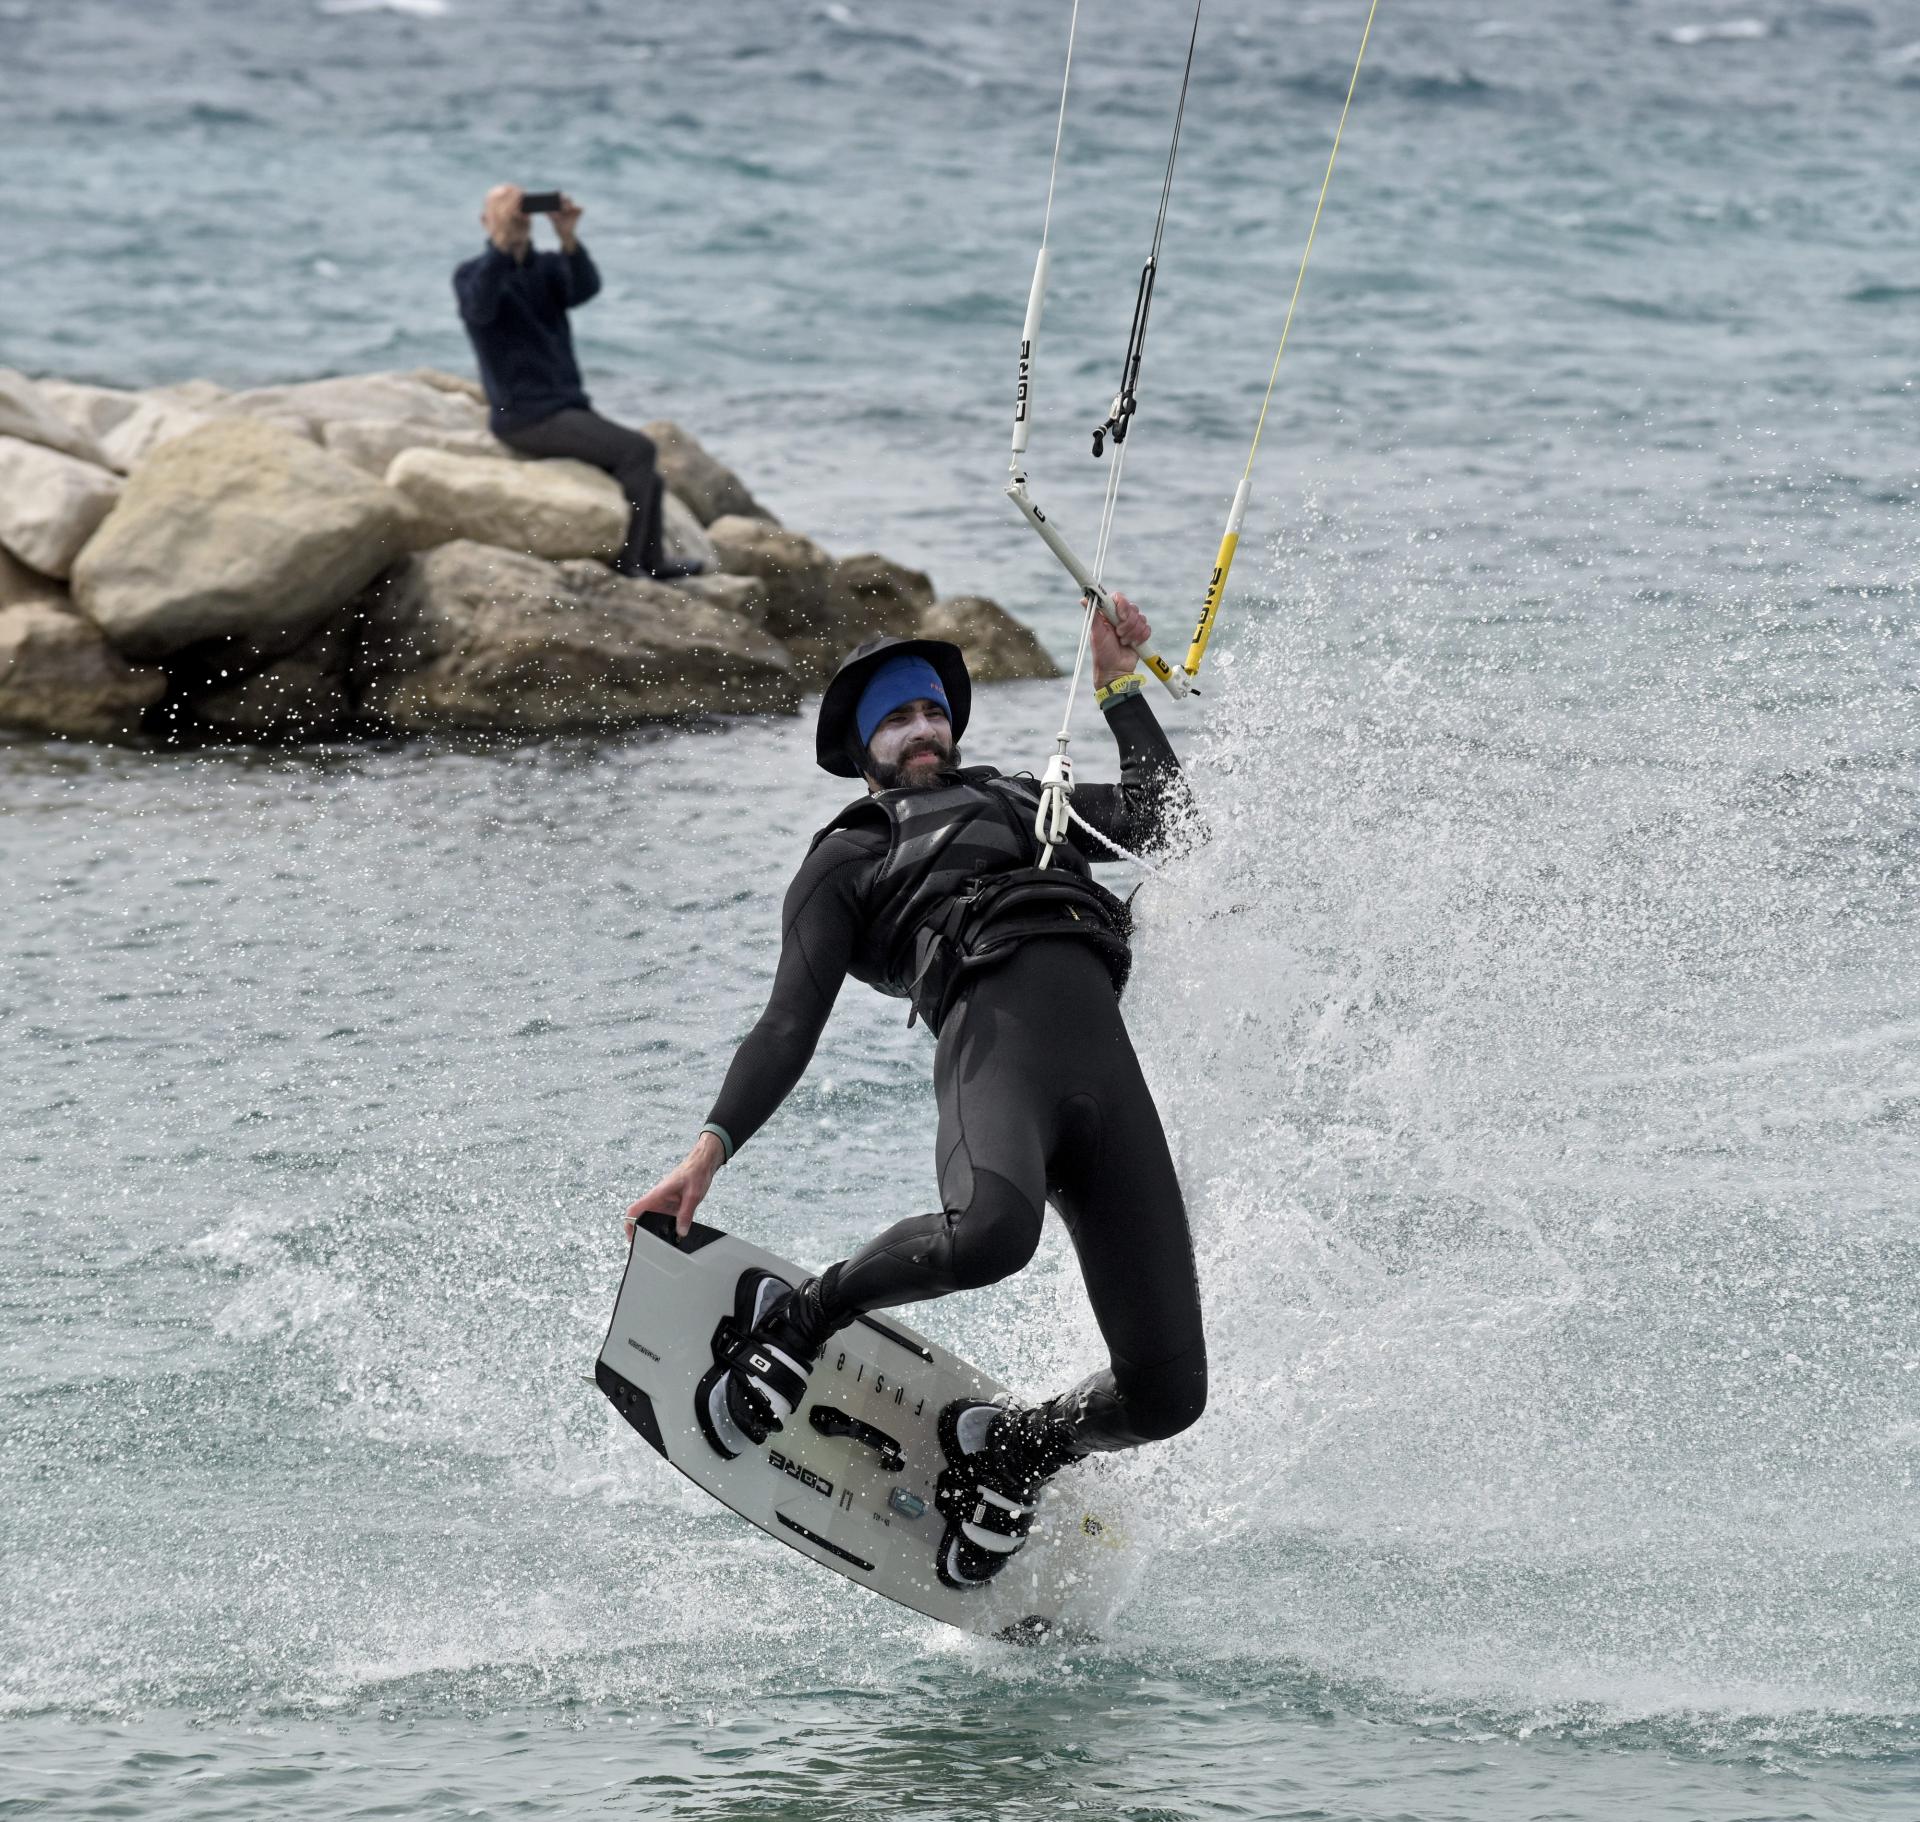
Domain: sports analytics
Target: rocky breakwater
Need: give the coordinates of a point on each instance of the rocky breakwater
(360, 554)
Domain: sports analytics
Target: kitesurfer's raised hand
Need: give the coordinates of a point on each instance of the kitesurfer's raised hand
(683, 1188)
(1113, 653)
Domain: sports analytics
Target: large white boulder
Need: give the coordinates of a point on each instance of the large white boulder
(58, 675)
(471, 636)
(94, 409)
(50, 504)
(29, 416)
(402, 396)
(237, 530)
(372, 443)
(202, 395)
(463, 384)
(153, 421)
(543, 509)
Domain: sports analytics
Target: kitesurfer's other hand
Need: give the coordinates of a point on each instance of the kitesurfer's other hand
(1113, 653)
(683, 1188)
(566, 222)
(508, 226)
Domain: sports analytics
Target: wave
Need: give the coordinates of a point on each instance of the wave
(1837, 16)
(1883, 294)
(1717, 31)
(412, 9)
(1445, 85)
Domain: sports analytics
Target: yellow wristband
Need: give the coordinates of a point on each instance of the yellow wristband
(1107, 694)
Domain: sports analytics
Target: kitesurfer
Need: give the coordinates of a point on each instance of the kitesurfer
(926, 889)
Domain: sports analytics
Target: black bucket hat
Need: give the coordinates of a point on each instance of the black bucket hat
(835, 741)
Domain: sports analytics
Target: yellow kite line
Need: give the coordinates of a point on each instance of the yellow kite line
(1230, 540)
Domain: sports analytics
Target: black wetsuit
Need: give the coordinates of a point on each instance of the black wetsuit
(1041, 1098)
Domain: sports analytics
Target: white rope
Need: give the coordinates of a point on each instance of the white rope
(1055, 810)
(1060, 126)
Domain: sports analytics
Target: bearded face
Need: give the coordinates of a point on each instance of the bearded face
(911, 748)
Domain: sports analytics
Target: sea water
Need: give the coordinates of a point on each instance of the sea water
(1538, 1032)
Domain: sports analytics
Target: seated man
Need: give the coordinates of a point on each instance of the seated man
(514, 303)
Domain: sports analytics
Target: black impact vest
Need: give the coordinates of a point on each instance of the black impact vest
(958, 889)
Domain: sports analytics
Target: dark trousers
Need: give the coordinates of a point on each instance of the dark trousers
(1042, 1099)
(625, 454)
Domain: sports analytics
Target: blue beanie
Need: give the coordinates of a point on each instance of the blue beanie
(907, 678)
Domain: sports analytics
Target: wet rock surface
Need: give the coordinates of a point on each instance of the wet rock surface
(470, 636)
(357, 554)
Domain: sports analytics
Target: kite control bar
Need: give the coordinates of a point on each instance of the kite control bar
(1176, 680)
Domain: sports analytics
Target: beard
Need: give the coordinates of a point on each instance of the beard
(922, 766)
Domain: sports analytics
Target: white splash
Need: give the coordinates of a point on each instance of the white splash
(1718, 31)
(411, 9)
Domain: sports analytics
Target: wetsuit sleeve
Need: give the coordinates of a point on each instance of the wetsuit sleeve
(1137, 811)
(575, 278)
(478, 284)
(819, 926)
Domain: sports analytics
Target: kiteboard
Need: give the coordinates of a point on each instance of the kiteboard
(849, 1480)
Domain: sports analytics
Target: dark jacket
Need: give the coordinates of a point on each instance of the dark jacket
(516, 317)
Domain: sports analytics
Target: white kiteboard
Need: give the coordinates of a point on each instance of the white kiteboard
(849, 1480)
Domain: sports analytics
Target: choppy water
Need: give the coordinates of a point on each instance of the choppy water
(1540, 1034)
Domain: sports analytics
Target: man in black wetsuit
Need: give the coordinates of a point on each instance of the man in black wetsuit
(927, 889)
(514, 303)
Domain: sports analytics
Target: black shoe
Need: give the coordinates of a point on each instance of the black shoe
(671, 569)
(998, 1459)
(761, 1361)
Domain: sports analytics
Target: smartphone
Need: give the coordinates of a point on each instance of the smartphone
(540, 202)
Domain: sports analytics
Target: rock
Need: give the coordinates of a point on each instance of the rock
(202, 395)
(450, 382)
(19, 584)
(683, 539)
(998, 648)
(400, 396)
(372, 443)
(742, 595)
(796, 571)
(94, 409)
(27, 415)
(303, 696)
(152, 422)
(50, 504)
(470, 636)
(238, 530)
(711, 488)
(59, 676)
(545, 509)
(871, 596)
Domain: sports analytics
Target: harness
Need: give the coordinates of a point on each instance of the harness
(956, 892)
